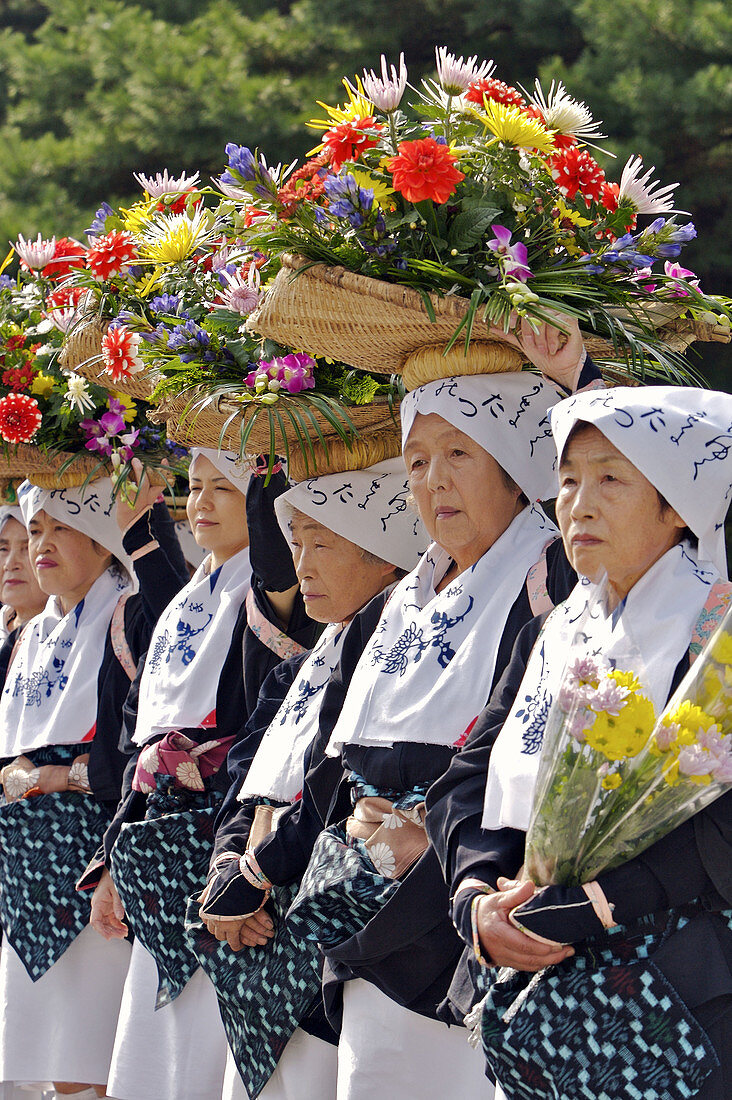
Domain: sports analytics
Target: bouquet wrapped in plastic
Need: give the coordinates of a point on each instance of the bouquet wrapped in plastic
(613, 777)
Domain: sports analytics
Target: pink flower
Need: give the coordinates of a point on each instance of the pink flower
(676, 271)
(511, 257)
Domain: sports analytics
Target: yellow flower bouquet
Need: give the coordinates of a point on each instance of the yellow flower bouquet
(613, 777)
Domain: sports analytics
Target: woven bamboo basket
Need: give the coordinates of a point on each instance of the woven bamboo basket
(27, 461)
(82, 353)
(383, 327)
(190, 424)
(337, 457)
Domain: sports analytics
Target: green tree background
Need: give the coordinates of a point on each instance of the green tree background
(93, 90)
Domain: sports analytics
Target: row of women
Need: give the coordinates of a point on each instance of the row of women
(304, 849)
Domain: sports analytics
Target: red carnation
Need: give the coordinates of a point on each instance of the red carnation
(494, 89)
(69, 254)
(575, 170)
(109, 254)
(20, 418)
(349, 139)
(424, 169)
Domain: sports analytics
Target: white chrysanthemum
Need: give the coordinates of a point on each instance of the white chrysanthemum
(37, 253)
(16, 783)
(77, 394)
(159, 185)
(150, 759)
(241, 293)
(236, 193)
(456, 75)
(386, 93)
(188, 774)
(645, 197)
(79, 775)
(62, 319)
(563, 113)
(383, 859)
(392, 821)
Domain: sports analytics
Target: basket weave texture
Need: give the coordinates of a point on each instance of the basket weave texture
(385, 328)
(82, 353)
(27, 461)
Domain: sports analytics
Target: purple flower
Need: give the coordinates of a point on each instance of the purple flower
(165, 303)
(511, 257)
(681, 275)
(6, 282)
(98, 226)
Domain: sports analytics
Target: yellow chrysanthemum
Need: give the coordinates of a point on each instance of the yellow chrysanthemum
(138, 216)
(689, 717)
(611, 782)
(358, 106)
(513, 127)
(382, 191)
(171, 238)
(130, 407)
(624, 735)
(722, 651)
(42, 385)
(567, 214)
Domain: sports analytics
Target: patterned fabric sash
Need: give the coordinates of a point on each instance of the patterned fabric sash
(393, 838)
(180, 757)
(605, 1023)
(263, 992)
(268, 634)
(45, 842)
(711, 616)
(155, 865)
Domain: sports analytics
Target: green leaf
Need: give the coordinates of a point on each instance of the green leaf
(470, 226)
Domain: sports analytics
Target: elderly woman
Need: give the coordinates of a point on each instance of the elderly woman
(644, 482)
(190, 706)
(60, 720)
(420, 667)
(20, 594)
(351, 535)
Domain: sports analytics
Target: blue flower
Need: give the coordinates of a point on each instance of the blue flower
(98, 226)
(165, 303)
(6, 282)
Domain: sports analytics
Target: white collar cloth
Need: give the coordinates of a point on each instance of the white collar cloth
(428, 668)
(277, 770)
(89, 509)
(679, 438)
(506, 414)
(50, 694)
(649, 635)
(368, 507)
(187, 651)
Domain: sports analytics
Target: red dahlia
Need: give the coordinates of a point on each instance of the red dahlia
(494, 89)
(20, 418)
(109, 254)
(119, 353)
(575, 170)
(349, 139)
(69, 254)
(424, 169)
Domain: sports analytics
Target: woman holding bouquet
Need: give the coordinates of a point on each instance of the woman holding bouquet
(420, 666)
(644, 482)
(60, 720)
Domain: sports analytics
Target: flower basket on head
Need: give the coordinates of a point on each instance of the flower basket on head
(47, 470)
(84, 353)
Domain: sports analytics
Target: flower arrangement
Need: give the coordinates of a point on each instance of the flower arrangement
(486, 192)
(613, 778)
(62, 415)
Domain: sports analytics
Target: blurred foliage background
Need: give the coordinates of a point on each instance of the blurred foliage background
(93, 90)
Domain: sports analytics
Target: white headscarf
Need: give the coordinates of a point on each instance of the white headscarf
(192, 636)
(368, 507)
(90, 510)
(679, 438)
(10, 511)
(507, 414)
(648, 635)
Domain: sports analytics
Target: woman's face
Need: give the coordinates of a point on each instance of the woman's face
(66, 562)
(217, 512)
(460, 489)
(336, 580)
(609, 514)
(19, 586)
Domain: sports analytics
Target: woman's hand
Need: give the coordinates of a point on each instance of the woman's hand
(557, 354)
(504, 945)
(135, 499)
(107, 910)
(252, 931)
(52, 778)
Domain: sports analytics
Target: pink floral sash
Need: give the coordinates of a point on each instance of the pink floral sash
(180, 756)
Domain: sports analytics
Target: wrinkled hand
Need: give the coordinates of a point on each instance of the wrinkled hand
(556, 353)
(52, 778)
(107, 910)
(505, 945)
(136, 498)
(252, 931)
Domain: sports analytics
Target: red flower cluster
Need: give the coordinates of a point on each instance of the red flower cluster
(109, 254)
(119, 353)
(64, 298)
(349, 139)
(424, 169)
(20, 418)
(494, 89)
(177, 205)
(306, 183)
(575, 170)
(19, 378)
(14, 342)
(69, 254)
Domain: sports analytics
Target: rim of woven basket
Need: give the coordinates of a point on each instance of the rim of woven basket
(42, 469)
(203, 427)
(369, 448)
